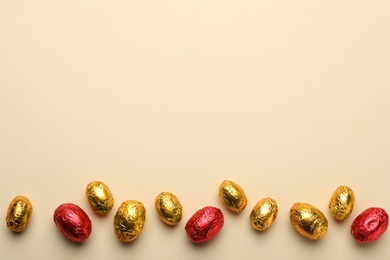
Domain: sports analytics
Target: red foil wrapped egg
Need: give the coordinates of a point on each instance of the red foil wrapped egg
(370, 225)
(204, 224)
(73, 222)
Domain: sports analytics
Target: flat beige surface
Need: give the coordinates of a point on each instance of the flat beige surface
(290, 99)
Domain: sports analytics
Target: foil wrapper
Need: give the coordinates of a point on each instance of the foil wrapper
(19, 213)
(370, 225)
(73, 222)
(99, 197)
(129, 220)
(342, 202)
(168, 208)
(264, 214)
(205, 224)
(309, 221)
(232, 196)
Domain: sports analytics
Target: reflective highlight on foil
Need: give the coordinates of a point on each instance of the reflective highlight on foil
(232, 196)
(129, 220)
(19, 213)
(73, 222)
(205, 224)
(342, 202)
(264, 214)
(168, 208)
(99, 197)
(370, 225)
(308, 221)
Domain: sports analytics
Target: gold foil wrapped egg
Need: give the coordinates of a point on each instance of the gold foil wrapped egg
(264, 214)
(168, 208)
(232, 196)
(99, 197)
(19, 213)
(342, 202)
(309, 221)
(129, 220)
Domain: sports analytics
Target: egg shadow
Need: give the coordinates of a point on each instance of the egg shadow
(260, 233)
(205, 244)
(72, 243)
(17, 234)
(366, 246)
(130, 243)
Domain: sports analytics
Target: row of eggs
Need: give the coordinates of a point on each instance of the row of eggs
(130, 217)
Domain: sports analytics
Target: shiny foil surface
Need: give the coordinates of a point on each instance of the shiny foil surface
(264, 214)
(129, 220)
(232, 196)
(73, 222)
(308, 221)
(342, 202)
(19, 213)
(370, 225)
(99, 197)
(205, 224)
(168, 208)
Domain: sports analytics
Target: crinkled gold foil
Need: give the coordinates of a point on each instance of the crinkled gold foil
(308, 221)
(342, 202)
(19, 213)
(168, 208)
(99, 197)
(232, 196)
(129, 220)
(264, 214)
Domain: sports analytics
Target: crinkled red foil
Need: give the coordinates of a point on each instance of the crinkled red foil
(204, 224)
(370, 225)
(73, 222)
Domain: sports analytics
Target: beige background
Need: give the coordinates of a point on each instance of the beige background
(290, 99)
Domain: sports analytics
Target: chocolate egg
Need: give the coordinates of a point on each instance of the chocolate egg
(264, 214)
(168, 208)
(19, 213)
(232, 196)
(99, 197)
(205, 224)
(342, 202)
(309, 221)
(370, 225)
(73, 222)
(129, 220)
